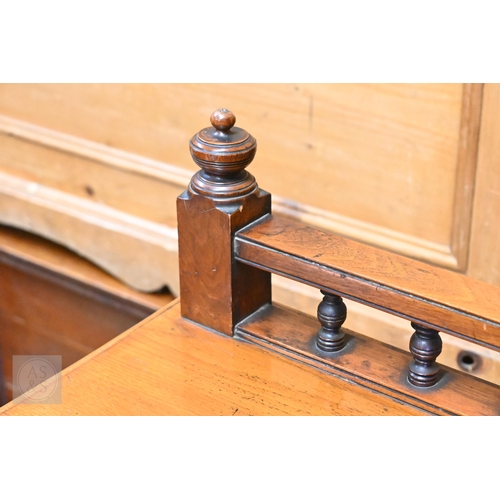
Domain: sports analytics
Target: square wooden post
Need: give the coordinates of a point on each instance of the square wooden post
(215, 290)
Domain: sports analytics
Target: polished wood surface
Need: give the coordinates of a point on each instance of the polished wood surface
(221, 198)
(425, 294)
(214, 286)
(371, 363)
(167, 365)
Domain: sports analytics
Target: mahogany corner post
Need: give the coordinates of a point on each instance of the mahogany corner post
(216, 290)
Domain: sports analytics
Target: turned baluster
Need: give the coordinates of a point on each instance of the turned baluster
(332, 313)
(426, 346)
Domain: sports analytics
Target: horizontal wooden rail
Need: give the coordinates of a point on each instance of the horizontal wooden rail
(433, 297)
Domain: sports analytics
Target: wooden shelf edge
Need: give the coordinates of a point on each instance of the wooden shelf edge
(368, 362)
(94, 354)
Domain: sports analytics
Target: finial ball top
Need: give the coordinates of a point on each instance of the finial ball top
(223, 150)
(222, 119)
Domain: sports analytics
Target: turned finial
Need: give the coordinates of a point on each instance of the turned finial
(223, 151)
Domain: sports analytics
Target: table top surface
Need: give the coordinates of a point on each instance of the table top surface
(167, 365)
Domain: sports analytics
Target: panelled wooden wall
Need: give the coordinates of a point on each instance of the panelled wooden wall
(409, 167)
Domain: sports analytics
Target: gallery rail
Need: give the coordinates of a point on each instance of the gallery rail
(229, 244)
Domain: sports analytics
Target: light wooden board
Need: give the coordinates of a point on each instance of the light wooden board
(169, 366)
(484, 260)
(393, 161)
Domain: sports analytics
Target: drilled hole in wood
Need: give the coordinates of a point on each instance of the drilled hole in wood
(468, 361)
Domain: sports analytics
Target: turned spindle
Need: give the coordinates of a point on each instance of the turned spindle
(332, 313)
(222, 197)
(426, 346)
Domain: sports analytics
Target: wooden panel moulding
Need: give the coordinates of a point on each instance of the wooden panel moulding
(484, 259)
(110, 238)
(58, 259)
(110, 176)
(465, 179)
(416, 132)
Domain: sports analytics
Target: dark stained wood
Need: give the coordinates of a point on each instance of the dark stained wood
(223, 152)
(425, 345)
(216, 291)
(332, 313)
(167, 365)
(366, 361)
(433, 297)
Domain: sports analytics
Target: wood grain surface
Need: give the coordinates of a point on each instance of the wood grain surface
(382, 149)
(51, 256)
(374, 364)
(435, 297)
(46, 313)
(484, 258)
(167, 365)
(112, 239)
(53, 302)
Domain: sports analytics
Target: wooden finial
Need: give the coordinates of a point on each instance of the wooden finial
(332, 313)
(426, 346)
(222, 119)
(217, 291)
(223, 151)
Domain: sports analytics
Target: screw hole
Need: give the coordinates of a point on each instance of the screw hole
(468, 361)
